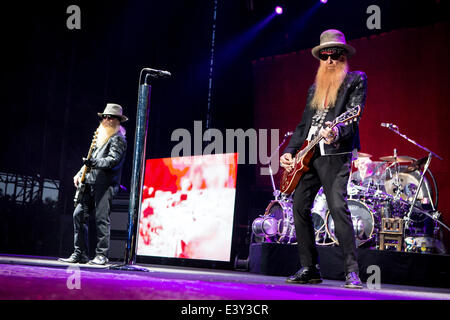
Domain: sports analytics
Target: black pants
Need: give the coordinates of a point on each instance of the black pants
(331, 172)
(97, 199)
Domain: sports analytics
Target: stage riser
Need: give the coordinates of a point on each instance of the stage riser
(403, 268)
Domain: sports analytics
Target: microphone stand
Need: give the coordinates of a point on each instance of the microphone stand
(137, 175)
(431, 154)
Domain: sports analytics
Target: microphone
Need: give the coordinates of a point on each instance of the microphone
(288, 134)
(389, 125)
(157, 73)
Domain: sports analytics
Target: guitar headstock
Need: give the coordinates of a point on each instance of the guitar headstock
(349, 116)
(94, 138)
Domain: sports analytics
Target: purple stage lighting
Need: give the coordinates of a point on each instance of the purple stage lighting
(324, 1)
(278, 10)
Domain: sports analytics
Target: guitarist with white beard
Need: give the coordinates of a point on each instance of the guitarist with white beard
(335, 91)
(104, 169)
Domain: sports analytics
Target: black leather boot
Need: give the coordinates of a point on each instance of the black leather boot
(305, 275)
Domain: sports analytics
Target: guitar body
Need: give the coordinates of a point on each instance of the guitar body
(79, 194)
(82, 186)
(290, 180)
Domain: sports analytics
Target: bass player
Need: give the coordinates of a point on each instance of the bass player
(104, 170)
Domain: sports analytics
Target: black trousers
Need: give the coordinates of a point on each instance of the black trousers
(331, 172)
(97, 199)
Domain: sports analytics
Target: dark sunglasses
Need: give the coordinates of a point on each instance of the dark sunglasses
(333, 56)
(108, 116)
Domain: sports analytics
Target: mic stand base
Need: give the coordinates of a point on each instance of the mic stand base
(128, 267)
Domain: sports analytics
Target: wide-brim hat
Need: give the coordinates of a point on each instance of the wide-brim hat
(114, 109)
(332, 38)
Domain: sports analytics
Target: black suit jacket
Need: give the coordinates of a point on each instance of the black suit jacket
(107, 162)
(351, 93)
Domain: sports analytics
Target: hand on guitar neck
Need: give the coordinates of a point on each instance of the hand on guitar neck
(329, 133)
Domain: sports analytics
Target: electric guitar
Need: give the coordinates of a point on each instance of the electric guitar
(290, 180)
(81, 185)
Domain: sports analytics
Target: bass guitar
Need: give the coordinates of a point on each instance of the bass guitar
(290, 180)
(81, 185)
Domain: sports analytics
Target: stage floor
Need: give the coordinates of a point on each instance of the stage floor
(44, 278)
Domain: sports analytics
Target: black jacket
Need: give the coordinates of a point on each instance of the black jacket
(351, 93)
(107, 162)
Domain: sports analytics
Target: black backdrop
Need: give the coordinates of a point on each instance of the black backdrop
(54, 80)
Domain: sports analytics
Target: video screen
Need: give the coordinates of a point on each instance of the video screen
(187, 207)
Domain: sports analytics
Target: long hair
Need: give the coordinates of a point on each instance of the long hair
(328, 83)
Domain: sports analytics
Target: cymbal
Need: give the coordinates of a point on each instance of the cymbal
(364, 155)
(399, 159)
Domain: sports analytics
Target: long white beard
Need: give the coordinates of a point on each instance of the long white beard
(104, 133)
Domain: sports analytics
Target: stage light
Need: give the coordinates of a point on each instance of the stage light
(324, 1)
(278, 10)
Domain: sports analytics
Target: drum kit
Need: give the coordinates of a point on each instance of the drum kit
(391, 187)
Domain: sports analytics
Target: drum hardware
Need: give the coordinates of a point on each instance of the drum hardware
(277, 223)
(436, 215)
(407, 218)
(376, 189)
(397, 190)
(363, 155)
(367, 179)
(265, 226)
(318, 215)
(416, 165)
(363, 221)
(287, 232)
(398, 159)
(423, 245)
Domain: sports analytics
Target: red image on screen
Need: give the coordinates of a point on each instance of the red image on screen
(187, 207)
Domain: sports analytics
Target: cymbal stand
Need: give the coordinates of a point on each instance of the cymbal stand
(436, 214)
(396, 182)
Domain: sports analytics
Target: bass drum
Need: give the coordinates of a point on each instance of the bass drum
(407, 185)
(362, 219)
(318, 215)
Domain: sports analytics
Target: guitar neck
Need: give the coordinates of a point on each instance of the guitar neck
(346, 118)
(89, 155)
